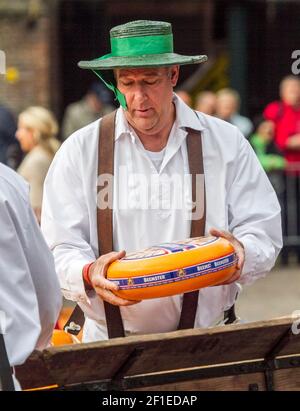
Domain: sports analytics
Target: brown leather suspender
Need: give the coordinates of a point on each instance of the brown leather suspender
(195, 156)
(104, 218)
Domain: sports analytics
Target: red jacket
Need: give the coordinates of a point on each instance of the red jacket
(287, 123)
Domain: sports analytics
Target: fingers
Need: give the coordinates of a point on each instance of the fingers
(108, 296)
(107, 260)
(240, 257)
(102, 282)
(221, 233)
(236, 275)
(99, 270)
(238, 248)
(234, 278)
(103, 287)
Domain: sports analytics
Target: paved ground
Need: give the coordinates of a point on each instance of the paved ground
(276, 295)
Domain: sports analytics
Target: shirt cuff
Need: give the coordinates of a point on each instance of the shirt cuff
(76, 283)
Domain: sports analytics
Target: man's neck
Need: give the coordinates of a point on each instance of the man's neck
(157, 141)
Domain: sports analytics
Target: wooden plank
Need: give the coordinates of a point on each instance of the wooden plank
(229, 383)
(34, 372)
(284, 380)
(88, 364)
(287, 380)
(228, 344)
(168, 351)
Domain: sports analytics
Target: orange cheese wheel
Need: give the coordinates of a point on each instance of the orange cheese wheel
(60, 337)
(173, 268)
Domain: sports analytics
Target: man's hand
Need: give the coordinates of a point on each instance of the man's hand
(239, 249)
(103, 287)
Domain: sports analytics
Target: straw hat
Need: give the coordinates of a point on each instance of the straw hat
(141, 43)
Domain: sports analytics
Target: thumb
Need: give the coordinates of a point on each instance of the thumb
(215, 232)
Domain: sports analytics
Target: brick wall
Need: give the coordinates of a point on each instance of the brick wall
(25, 39)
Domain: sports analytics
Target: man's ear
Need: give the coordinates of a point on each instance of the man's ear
(174, 74)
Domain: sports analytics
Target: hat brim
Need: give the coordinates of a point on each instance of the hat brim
(147, 60)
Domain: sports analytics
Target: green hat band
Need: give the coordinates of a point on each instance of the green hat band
(137, 46)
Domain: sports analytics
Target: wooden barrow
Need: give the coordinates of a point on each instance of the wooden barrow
(255, 356)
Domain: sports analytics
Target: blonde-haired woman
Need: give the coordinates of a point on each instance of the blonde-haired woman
(37, 130)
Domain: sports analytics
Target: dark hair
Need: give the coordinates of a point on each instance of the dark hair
(101, 92)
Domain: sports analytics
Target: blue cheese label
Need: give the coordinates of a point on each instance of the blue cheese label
(170, 248)
(177, 275)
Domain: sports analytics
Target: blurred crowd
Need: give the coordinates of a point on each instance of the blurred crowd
(29, 143)
(274, 134)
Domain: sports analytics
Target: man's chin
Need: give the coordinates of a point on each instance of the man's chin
(143, 125)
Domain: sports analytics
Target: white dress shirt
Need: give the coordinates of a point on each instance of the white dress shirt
(239, 199)
(30, 296)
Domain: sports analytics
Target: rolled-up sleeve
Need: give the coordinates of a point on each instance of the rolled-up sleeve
(254, 215)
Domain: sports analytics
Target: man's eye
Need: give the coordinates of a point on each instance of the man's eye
(126, 83)
(151, 82)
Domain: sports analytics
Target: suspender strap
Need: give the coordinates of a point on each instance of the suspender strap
(195, 156)
(104, 215)
(6, 381)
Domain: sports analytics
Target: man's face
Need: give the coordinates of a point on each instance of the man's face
(148, 93)
(226, 106)
(290, 92)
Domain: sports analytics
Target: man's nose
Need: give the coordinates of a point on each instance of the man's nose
(140, 93)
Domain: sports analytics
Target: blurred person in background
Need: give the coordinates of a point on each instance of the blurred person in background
(227, 107)
(185, 96)
(263, 144)
(30, 297)
(10, 151)
(37, 130)
(95, 104)
(206, 102)
(273, 162)
(285, 113)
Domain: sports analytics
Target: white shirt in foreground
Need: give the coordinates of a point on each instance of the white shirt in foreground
(239, 199)
(30, 297)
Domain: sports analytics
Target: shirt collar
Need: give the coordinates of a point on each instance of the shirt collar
(122, 126)
(185, 118)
